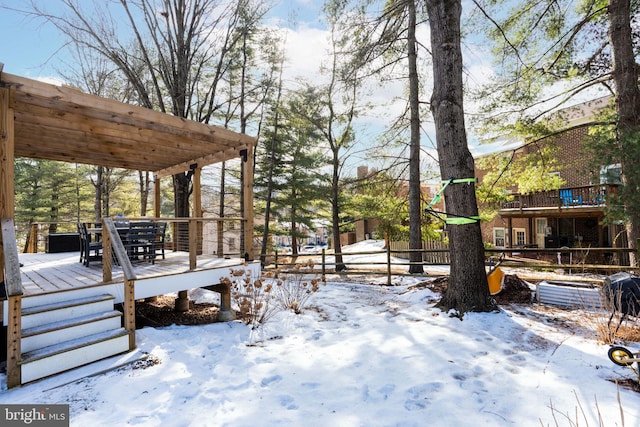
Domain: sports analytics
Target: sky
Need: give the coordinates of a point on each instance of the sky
(360, 354)
(35, 50)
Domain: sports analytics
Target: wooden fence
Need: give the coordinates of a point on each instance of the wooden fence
(396, 260)
(435, 252)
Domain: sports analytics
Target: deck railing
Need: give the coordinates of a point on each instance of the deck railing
(13, 292)
(588, 195)
(217, 236)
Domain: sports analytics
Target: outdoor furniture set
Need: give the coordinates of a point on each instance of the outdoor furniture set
(143, 241)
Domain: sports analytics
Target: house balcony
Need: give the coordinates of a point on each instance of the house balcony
(586, 200)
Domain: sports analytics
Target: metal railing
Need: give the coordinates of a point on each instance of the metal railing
(217, 236)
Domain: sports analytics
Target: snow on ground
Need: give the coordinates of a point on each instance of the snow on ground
(361, 355)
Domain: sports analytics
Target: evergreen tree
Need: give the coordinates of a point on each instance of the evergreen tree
(289, 173)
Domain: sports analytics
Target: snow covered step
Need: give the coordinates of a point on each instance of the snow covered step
(49, 313)
(71, 354)
(69, 329)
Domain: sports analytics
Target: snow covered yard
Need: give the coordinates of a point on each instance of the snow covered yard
(362, 355)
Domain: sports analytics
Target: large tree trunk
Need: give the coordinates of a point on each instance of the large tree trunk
(335, 213)
(415, 211)
(468, 288)
(181, 191)
(625, 76)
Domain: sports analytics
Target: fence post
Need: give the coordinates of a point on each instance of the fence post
(276, 259)
(324, 265)
(389, 265)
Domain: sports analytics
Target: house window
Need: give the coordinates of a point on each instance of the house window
(232, 243)
(498, 237)
(519, 236)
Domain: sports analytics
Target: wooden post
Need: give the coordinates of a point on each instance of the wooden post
(14, 337)
(197, 207)
(6, 161)
(130, 312)
(107, 258)
(247, 214)
(181, 303)
(324, 265)
(225, 314)
(193, 238)
(388, 264)
(7, 210)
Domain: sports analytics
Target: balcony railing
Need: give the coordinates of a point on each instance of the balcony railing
(588, 195)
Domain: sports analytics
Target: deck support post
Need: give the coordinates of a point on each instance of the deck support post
(130, 312)
(226, 314)
(182, 302)
(14, 337)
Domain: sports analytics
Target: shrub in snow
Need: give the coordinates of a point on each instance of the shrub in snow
(259, 299)
(295, 287)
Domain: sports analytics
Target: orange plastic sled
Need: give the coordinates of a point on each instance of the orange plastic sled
(496, 280)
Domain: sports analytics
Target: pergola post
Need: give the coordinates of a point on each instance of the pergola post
(7, 157)
(247, 205)
(6, 161)
(195, 235)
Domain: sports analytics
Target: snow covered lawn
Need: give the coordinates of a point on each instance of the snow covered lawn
(362, 355)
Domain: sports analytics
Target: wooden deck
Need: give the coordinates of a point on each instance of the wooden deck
(50, 273)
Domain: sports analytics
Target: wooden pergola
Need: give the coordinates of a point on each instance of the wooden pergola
(45, 121)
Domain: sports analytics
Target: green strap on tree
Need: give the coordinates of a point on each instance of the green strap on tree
(462, 220)
(456, 220)
(460, 181)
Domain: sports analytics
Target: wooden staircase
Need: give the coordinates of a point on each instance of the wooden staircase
(77, 329)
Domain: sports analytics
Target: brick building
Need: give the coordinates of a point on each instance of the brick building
(570, 216)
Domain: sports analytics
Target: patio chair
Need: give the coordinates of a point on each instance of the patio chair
(89, 250)
(158, 243)
(140, 239)
(569, 199)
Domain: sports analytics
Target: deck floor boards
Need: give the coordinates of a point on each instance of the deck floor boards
(49, 273)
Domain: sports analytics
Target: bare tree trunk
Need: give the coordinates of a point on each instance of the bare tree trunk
(625, 75)
(468, 288)
(415, 214)
(144, 185)
(98, 185)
